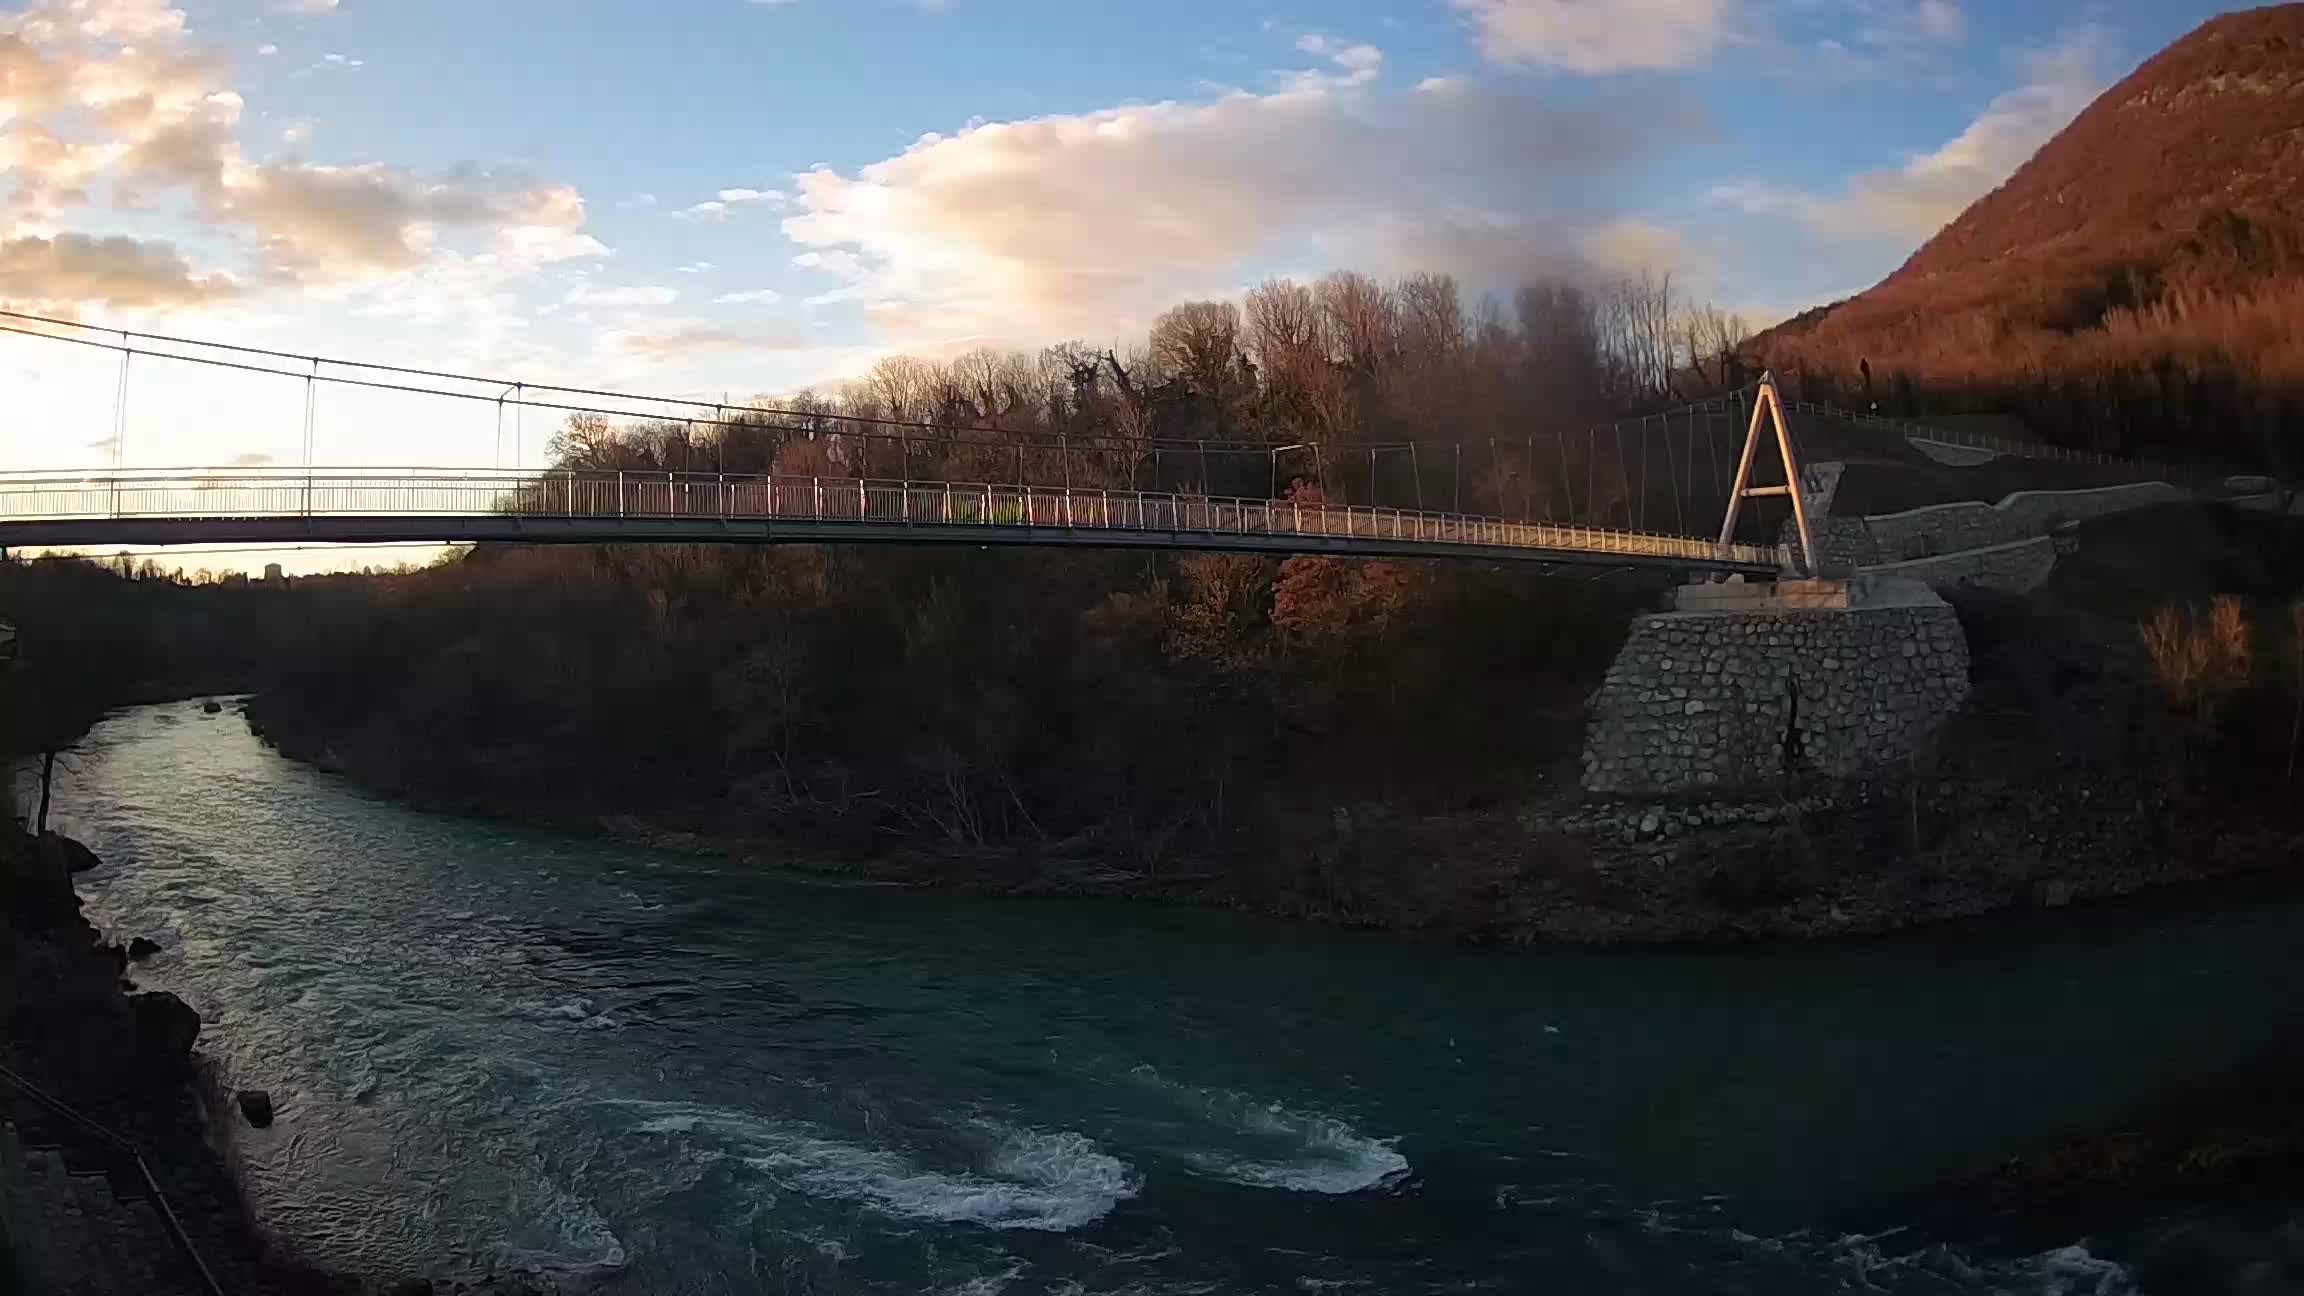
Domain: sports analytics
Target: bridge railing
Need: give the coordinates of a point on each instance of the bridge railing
(426, 493)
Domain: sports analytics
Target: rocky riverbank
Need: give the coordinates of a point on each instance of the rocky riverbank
(73, 1023)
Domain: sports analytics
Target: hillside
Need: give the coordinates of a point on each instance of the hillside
(2138, 285)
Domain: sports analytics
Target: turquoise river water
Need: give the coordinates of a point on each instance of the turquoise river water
(639, 1072)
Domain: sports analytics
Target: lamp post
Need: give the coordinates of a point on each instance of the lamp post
(1277, 451)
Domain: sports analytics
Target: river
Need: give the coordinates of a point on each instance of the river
(647, 1073)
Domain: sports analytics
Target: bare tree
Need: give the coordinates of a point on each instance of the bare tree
(1360, 322)
(1284, 337)
(1712, 340)
(1199, 342)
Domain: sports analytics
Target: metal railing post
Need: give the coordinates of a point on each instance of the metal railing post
(620, 492)
(169, 1220)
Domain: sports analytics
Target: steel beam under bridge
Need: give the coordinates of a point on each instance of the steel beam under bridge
(223, 506)
(99, 533)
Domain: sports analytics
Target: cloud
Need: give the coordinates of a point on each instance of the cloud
(754, 297)
(1941, 19)
(113, 101)
(723, 205)
(1911, 202)
(1631, 246)
(687, 338)
(267, 49)
(1905, 22)
(319, 222)
(641, 296)
(1075, 225)
(1360, 63)
(51, 274)
(1598, 36)
(309, 6)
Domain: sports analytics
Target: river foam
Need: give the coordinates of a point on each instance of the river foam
(2076, 1271)
(566, 1239)
(1020, 1178)
(1285, 1149)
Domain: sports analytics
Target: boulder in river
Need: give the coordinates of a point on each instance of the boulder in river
(256, 1105)
(211, 707)
(142, 948)
(166, 1026)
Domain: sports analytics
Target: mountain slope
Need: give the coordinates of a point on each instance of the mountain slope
(2139, 282)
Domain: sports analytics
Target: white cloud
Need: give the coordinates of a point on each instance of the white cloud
(1598, 36)
(689, 337)
(50, 275)
(309, 6)
(267, 49)
(112, 100)
(1906, 22)
(1360, 63)
(1078, 225)
(1941, 19)
(698, 267)
(587, 295)
(1631, 246)
(754, 297)
(1904, 31)
(725, 203)
(1910, 202)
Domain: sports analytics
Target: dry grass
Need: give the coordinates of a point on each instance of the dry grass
(2201, 661)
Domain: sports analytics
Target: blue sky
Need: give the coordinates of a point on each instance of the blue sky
(730, 196)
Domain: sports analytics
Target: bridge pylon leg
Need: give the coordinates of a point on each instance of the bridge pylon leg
(1767, 405)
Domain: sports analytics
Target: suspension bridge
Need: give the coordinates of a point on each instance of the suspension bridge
(1661, 491)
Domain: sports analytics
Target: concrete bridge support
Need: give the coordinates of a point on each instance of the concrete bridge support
(1742, 683)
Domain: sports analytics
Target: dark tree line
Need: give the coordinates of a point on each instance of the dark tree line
(1154, 714)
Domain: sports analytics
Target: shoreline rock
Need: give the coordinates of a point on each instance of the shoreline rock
(130, 1062)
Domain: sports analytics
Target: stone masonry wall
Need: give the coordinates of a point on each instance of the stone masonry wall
(1702, 701)
(1946, 528)
(1843, 542)
(2018, 568)
(1951, 454)
(1942, 529)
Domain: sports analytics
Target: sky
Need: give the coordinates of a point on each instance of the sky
(728, 198)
